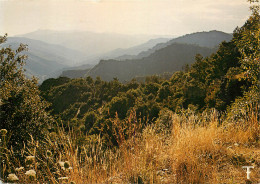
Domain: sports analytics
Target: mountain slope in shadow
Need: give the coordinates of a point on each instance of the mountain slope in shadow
(169, 59)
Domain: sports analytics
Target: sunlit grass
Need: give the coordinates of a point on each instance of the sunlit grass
(189, 149)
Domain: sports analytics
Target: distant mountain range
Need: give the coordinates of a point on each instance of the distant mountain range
(90, 43)
(154, 56)
(209, 39)
(164, 57)
(45, 59)
(169, 59)
(123, 54)
(76, 73)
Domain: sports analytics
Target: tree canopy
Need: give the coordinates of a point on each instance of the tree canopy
(22, 109)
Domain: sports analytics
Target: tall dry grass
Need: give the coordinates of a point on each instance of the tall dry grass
(184, 148)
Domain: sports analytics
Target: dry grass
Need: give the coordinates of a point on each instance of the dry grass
(193, 150)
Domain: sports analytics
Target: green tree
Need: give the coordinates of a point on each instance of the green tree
(90, 120)
(119, 105)
(247, 39)
(22, 111)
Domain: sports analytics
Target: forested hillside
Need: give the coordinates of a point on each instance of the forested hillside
(200, 126)
(210, 82)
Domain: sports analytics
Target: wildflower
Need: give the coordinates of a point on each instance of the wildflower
(3, 132)
(63, 178)
(31, 173)
(66, 165)
(61, 164)
(12, 177)
(19, 169)
(29, 160)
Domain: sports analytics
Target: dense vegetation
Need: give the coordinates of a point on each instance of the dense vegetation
(199, 126)
(211, 82)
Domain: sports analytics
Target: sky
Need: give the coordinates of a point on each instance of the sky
(151, 17)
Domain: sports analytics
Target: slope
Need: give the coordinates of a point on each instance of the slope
(92, 44)
(169, 59)
(44, 59)
(204, 39)
(209, 39)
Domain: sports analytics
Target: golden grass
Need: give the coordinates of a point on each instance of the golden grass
(195, 150)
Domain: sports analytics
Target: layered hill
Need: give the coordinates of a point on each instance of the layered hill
(92, 44)
(164, 57)
(73, 73)
(205, 39)
(130, 53)
(45, 59)
(169, 59)
(209, 39)
(123, 53)
(50, 60)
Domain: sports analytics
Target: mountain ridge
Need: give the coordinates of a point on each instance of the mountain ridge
(204, 40)
(44, 59)
(91, 43)
(168, 59)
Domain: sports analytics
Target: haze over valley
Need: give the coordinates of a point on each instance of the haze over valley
(74, 54)
(77, 34)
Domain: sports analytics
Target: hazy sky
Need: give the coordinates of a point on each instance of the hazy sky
(160, 17)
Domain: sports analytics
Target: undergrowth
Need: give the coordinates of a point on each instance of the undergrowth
(177, 148)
